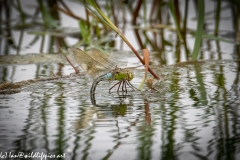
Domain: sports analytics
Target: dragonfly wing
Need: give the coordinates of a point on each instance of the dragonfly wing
(87, 63)
(129, 69)
(102, 58)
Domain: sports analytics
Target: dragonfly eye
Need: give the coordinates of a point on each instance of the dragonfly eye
(130, 76)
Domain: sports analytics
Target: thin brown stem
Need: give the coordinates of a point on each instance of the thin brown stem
(70, 14)
(136, 53)
(134, 22)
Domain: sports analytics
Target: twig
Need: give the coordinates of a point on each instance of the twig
(76, 70)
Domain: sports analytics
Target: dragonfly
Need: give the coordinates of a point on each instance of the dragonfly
(101, 68)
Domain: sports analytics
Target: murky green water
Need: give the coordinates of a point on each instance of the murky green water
(193, 115)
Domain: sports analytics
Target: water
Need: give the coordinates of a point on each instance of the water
(193, 114)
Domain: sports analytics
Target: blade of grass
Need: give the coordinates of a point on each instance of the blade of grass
(48, 20)
(22, 15)
(217, 17)
(85, 31)
(146, 61)
(185, 16)
(174, 15)
(199, 31)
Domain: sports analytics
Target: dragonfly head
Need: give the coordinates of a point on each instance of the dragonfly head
(130, 76)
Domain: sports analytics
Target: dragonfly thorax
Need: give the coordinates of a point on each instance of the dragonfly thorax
(123, 76)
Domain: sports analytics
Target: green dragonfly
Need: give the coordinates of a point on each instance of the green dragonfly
(101, 68)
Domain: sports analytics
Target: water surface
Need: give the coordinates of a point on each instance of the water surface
(193, 114)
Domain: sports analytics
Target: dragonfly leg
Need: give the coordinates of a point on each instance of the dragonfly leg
(125, 86)
(114, 86)
(119, 85)
(131, 86)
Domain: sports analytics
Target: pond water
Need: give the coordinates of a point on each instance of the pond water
(194, 114)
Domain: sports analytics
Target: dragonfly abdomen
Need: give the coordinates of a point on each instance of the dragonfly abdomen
(95, 83)
(107, 76)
